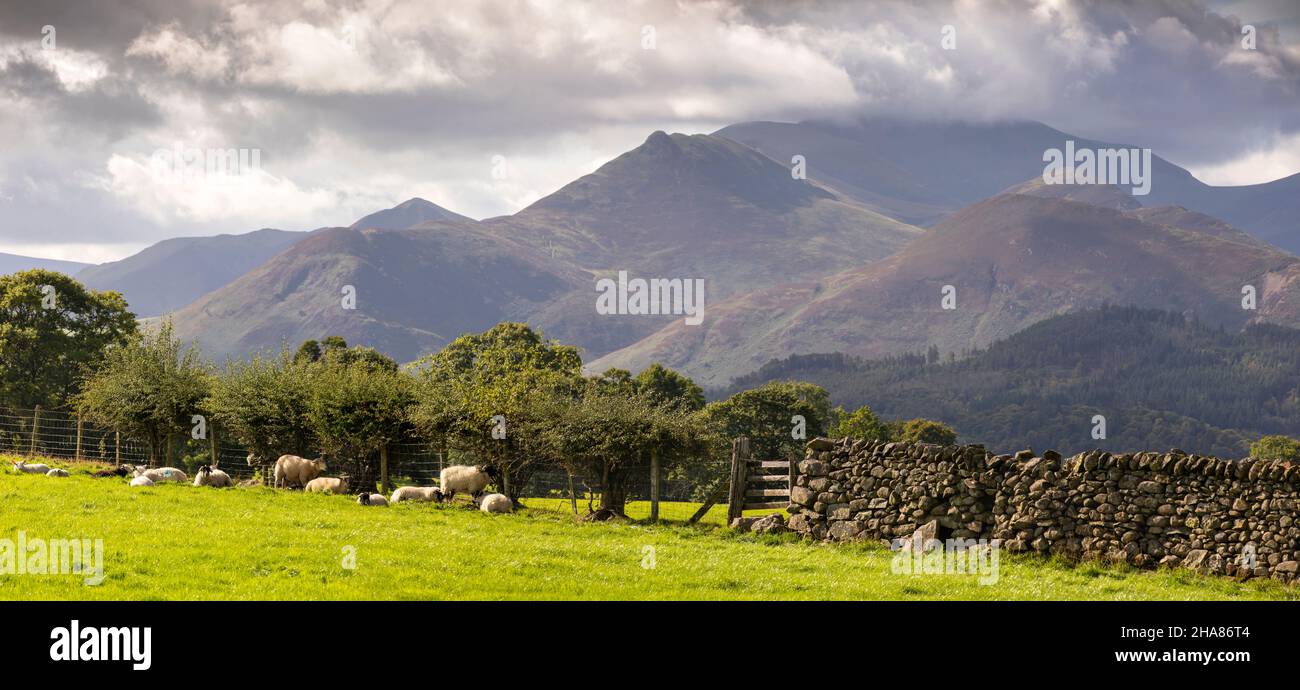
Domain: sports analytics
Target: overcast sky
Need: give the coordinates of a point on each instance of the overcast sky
(355, 106)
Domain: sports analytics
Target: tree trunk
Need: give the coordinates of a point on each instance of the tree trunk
(613, 491)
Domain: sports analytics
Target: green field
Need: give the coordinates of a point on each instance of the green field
(182, 542)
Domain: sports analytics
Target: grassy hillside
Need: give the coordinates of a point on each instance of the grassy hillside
(182, 542)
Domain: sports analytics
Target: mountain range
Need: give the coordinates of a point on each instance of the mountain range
(12, 263)
(855, 257)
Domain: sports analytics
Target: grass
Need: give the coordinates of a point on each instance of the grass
(182, 542)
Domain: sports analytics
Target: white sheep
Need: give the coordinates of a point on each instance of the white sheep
(141, 481)
(213, 477)
(162, 474)
(369, 499)
(292, 469)
(328, 485)
(38, 468)
(57, 473)
(470, 479)
(496, 503)
(417, 493)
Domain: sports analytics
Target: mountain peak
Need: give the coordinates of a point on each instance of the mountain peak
(409, 213)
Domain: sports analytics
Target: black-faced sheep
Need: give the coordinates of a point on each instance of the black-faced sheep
(496, 503)
(417, 493)
(292, 469)
(328, 485)
(119, 471)
(37, 468)
(369, 499)
(213, 477)
(162, 474)
(469, 479)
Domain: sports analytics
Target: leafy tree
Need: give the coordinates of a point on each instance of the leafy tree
(147, 389)
(355, 410)
(925, 431)
(334, 350)
(1276, 448)
(485, 382)
(663, 386)
(861, 423)
(766, 415)
(262, 403)
(309, 351)
(614, 381)
(612, 438)
(51, 329)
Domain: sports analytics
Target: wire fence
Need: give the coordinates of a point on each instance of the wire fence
(60, 433)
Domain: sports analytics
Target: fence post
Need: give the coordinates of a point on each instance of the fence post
(383, 468)
(36, 426)
(77, 455)
(573, 496)
(212, 444)
(654, 486)
(117, 448)
(736, 500)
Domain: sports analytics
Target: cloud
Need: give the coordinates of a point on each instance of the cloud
(359, 104)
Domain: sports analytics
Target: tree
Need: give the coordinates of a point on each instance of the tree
(1276, 448)
(51, 330)
(147, 389)
(262, 403)
(480, 388)
(612, 438)
(355, 410)
(663, 386)
(924, 431)
(861, 423)
(769, 414)
(334, 350)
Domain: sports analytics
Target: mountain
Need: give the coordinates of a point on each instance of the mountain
(407, 214)
(690, 207)
(415, 291)
(12, 263)
(173, 273)
(920, 172)
(1012, 260)
(1161, 380)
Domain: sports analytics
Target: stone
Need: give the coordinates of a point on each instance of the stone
(802, 496)
(820, 444)
(844, 530)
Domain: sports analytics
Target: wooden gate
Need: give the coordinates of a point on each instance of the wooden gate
(753, 484)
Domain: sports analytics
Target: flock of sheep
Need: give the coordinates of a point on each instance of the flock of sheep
(292, 471)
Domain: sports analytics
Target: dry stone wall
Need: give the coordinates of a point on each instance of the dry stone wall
(1225, 517)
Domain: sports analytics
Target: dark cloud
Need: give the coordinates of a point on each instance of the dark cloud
(371, 102)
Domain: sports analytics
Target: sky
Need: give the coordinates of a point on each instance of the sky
(112, 112)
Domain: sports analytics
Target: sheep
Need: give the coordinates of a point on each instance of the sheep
(328, 485)
(38, 468)
(211, 476)
(119, 471)
(496, 503)
(57, 473)
(417, 493)
(141, 481)
(470, 479)
(369, 499)
(162, 474)
(291, 469)
(247, 483)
